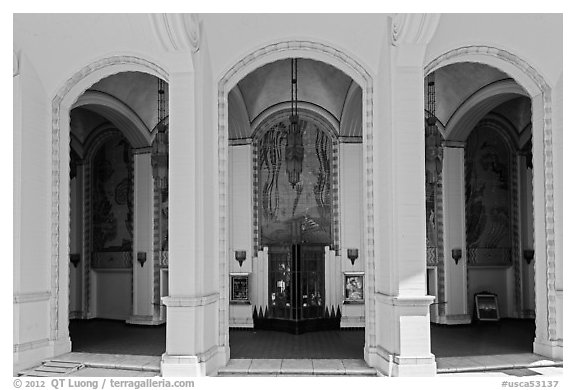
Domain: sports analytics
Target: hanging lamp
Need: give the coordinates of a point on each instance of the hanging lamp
(160, 144)
(294, 147)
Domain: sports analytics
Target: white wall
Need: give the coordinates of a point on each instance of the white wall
(240, 211)
(112, 293)
(537, 38)
(32, 208)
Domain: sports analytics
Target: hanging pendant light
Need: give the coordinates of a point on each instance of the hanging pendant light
(294, 147)
(160, 144)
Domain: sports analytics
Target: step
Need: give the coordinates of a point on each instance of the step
(297, 367)
(52, 368)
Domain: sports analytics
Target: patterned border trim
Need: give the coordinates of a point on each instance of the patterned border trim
(57, 108)
(539, 81)
(272, 51)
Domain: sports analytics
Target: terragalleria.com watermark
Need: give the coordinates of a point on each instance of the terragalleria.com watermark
(104, 383)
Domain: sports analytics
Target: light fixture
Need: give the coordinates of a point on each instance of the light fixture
(456, 254)
(160, 143)
(353, 254)
(75, 259)
(528, 255)
(294, 147)
(141, 257)
(240, 256)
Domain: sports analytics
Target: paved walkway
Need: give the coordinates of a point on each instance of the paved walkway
(479, 349)
(112, 365)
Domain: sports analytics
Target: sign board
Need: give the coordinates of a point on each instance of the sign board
(487, 307)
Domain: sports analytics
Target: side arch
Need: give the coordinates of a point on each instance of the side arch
(62, 103)
(547, 341)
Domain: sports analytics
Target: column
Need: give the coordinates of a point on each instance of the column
(192, 338)
(143, 246)
(456, 304)
(400, 345)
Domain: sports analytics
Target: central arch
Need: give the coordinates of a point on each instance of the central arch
(345, 63)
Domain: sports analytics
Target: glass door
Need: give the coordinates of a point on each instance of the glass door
(296, 282)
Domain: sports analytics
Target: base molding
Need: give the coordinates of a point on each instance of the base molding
(455, 319)
(204, 364)
(549, 349)
(27, 355)
(400, 366)
(145, 320)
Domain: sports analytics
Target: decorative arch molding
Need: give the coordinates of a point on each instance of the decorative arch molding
(351, 116)
(306, 110)
(119, 113)
(238, 115)
(469, 113)
(540, 93)
(413, 29)
(62, 103)
(177, 32)
(252, 61)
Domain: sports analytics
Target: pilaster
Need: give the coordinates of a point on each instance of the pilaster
(402, 341)
(192, 307)
(456, 306)
(143, 264)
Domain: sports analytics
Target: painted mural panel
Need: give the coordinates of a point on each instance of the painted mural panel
(301, 213)
(488, 199)
(112, 197)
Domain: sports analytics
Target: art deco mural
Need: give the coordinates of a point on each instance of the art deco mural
(488, 199)
(112, 197)
(300, 213)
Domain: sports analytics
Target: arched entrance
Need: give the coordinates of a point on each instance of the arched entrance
(261, 125)
(109, 138)
(489, 108)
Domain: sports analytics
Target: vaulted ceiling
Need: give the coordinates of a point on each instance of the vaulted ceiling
(320, 85)
(120, 99)
(458, 83)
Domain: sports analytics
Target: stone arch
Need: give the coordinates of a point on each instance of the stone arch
(117, 112)
(62, 103)
(539, 91)
(473, 109)
(309, 111)
(227, 81)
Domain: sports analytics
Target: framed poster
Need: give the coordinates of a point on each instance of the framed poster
(487, 307)
(239, 288)
(354, 287)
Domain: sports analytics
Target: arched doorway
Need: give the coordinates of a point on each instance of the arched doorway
(492, 117)
(118, 228)
(296, 247)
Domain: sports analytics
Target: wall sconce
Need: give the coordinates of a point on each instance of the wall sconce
(353, 254)
(240, 256)
(528, 255)
(456, 254)
(75, 259)
(141, 258)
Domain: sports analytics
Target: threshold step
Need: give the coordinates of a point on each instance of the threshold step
(52, 368)
(297, 367)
